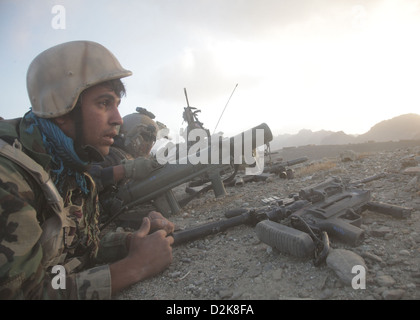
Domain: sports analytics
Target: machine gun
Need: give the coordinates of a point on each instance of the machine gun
(162, 180)
(331, 208)
(190, 115)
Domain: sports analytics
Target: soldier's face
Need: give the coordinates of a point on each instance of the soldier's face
(100, 117)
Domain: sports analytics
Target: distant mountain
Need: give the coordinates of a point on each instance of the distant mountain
(338, 138)
(404, 127)
(303, 137)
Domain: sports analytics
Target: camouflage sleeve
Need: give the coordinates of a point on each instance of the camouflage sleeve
(22, 272)
(94, 283)
(112, 247)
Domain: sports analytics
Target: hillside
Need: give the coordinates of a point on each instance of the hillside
(404, 127)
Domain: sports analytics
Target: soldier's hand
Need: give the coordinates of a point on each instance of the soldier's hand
(159, 222)
(151, 251)
(139, 168)
(148, 255)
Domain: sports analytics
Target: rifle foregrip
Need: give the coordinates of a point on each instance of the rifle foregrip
(287, 240)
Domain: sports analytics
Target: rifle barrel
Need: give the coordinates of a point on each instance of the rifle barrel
(210, 228)
(389, 209)
(369, 179)
(282, 165)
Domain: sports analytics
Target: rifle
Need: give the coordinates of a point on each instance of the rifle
(162, 180)
(281, 170)
(331, 208)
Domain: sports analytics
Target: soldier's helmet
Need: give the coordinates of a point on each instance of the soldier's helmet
(58, 75)
(138, 133)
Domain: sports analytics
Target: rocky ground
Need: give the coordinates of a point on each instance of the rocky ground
(236, 265)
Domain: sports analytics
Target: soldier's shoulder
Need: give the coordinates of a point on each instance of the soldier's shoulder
(9, 128)
(21, 228)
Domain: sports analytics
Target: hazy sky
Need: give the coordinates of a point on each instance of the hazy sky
(308, 64)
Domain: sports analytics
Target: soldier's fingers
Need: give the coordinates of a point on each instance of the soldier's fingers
(170, 239)
(162, 224)
(155, 215)
(144, 228)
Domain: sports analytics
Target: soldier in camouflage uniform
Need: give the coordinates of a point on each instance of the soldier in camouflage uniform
(49, 203)
(129, 157)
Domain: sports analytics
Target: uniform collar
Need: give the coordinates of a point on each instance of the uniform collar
(31, 139)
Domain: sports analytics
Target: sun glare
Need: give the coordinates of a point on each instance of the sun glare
(368, 70)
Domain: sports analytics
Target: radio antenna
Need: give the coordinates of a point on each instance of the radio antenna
(186, 97)
(224, 108)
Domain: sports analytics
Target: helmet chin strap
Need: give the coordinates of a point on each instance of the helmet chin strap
(86, 153)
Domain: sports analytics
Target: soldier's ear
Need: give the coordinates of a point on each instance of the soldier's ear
(66, 124)
(61, 120)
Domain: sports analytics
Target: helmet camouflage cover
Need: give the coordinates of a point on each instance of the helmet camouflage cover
(139, 132)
